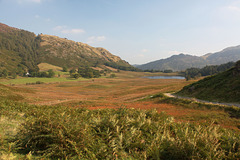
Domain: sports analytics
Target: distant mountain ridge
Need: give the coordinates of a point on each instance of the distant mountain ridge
(184, 61)
(224, 56)
(21, 50)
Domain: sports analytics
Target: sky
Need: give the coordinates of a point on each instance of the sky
(138, 31)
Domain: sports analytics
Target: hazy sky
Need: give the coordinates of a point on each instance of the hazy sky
(138, 31)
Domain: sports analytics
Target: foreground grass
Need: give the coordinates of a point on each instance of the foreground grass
(42, 132)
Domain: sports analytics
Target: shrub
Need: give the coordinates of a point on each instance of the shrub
(67, 133)
(39, 82)
(112, 75)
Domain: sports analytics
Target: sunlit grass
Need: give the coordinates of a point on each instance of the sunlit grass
(58, 132)
(34, 80)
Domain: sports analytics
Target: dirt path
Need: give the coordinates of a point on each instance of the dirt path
(201, 101)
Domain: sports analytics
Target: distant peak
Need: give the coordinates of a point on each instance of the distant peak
(180, 55)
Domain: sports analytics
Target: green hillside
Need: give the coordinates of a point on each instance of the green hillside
(18, 49)
(22, 51)
(222, 87)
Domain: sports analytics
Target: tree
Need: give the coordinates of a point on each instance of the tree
(14, 75)
(112, 75)
(75, 75)
(168, 71)
(43, 74)
(96, 73)
(51, 73)
(5, 73)
(72, 71)
(89, 74)
(65, 69)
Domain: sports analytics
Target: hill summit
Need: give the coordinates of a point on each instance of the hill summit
(22, 50)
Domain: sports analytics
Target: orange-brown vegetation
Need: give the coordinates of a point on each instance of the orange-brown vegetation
(101, 91)
(120, 92)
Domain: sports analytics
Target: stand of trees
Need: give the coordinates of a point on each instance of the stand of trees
(32, 73)
(121, 67)
(22, 46)
(154, 71)
(4, 73)
(85, 72)
(49, 74)
(192, 73)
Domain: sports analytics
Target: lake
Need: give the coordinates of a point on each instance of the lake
(165, 77)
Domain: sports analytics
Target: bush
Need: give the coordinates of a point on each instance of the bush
(112, 75)
(66, 133)
(39, 82)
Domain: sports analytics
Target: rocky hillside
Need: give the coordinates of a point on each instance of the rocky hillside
(222, 87)
(59, 51)
(182, 61)
(22, 50)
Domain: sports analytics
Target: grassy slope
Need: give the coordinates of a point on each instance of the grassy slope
(46, 67)
(223, 87)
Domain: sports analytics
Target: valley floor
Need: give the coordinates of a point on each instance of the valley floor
(122, 92)
(103, 123)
